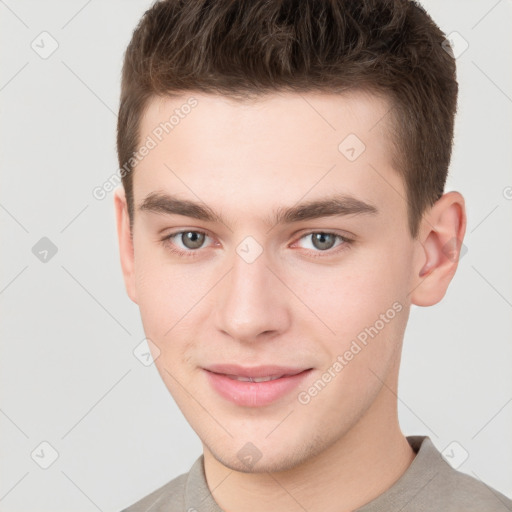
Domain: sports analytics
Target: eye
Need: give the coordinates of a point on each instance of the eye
(185, 242)
(322, 241)
(191, 239)
(188, 243)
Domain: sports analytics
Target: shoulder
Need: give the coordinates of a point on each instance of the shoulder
(430, 483)
(447, 489)
(167, 498)
(458, 491)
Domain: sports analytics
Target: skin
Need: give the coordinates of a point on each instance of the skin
(244, 160)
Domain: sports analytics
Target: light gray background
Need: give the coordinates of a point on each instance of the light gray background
(68, 374)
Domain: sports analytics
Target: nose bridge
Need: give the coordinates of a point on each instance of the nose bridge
(248, 304)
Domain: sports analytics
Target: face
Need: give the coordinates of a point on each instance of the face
(296, 254)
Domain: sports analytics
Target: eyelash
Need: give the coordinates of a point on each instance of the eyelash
(347, 242)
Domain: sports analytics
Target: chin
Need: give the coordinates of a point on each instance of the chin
(271, 458)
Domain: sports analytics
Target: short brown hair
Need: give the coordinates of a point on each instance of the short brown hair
(242, 49)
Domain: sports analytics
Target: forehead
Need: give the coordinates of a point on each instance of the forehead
(289, 116)
(287, 145)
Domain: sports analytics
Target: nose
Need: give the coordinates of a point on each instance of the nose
(252, 303)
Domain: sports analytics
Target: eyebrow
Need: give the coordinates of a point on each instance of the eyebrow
(336, 205)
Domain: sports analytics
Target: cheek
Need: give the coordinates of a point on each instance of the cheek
(360, 310)
(348, 297)
(166, 292)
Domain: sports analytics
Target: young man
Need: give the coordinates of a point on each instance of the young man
(282, 207)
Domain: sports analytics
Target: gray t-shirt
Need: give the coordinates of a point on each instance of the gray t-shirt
(428, 484)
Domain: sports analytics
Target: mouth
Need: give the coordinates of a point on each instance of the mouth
(268, 371)
(256, 386)
(254, 379)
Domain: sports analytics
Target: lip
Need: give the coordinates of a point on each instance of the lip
(254, 394)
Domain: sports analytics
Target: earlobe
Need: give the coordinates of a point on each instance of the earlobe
(126, 249)
(439, 245)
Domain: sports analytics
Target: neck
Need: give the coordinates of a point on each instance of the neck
(358, 467)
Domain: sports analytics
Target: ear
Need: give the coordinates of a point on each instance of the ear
(440, 239)
(124, 235)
